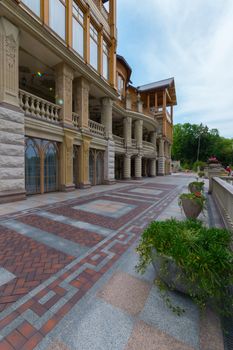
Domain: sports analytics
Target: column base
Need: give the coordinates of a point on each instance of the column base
(110, 182)
(126, 178)
(83, 186)
(12, 196)
(67, 188)
(137, 178)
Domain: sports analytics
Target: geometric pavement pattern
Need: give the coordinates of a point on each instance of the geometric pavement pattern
(49, 282)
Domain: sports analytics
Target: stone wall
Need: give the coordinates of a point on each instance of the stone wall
(11, 154)
(223, 195)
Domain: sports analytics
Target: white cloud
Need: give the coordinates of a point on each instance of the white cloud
(190, 40)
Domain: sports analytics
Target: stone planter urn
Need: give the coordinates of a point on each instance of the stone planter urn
(193, 188)
(191, 207)
(171, 274)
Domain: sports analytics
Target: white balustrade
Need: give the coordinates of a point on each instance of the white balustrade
(119, 140)
(134, 143)
(75, 120)
(38, 108)
(96, 128)
(148, 145)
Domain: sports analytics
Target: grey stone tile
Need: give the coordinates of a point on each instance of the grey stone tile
(46, 298)
(159, 315)
(76, 223)
(5, 276)
(51, 240)
(98, 327)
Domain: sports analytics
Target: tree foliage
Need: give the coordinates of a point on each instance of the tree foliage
(185, 144)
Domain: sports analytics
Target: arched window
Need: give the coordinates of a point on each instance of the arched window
(32, 168)
(51, 168)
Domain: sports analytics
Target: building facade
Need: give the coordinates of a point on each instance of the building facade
(69, 117)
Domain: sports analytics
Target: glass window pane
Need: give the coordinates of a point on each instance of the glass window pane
(34, 5)
(57, 17)
(105, 66)
(94, 54)
(78, 33)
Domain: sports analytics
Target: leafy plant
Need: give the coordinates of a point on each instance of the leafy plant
(201, 174)
(197, 185)
(197, 197)
(203, 255)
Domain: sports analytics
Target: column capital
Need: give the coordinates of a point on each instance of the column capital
(107, 101)
(9, 62)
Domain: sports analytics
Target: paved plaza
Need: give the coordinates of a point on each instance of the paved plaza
(68, 279)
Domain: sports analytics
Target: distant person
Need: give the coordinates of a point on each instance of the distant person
(229, 171)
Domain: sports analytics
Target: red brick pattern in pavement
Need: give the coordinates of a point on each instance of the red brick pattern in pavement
(68, 232)
(102, 259)
(98, 219)
(30, 261)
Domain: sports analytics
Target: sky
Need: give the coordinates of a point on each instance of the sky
(190, 40)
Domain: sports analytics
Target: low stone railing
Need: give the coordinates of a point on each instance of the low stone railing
(39, 108)
(119, 140)
(147, 144)
(134, 143)
(222, 192)
(75, 120)
(96, 128)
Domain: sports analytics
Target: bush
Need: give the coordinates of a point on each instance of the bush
(203, 254)
(196, 186)
(199, 164)
(201, 174)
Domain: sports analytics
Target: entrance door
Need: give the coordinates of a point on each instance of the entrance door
(51, 168)
(32, 167)
(96, 167)
(119, 166)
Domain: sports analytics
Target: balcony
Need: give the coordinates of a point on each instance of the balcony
(75, 120)
(148, 146)
(119, 141)
(96, 129)
(38, 108)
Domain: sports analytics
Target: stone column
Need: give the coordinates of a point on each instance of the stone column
(127, 166)
(81, 101)
(66, 162)
(109, 158)
(12, 183)
(161, 170)
(64, 91)
(128, 100)
(138, 132)
(138, 167)
(84, 162)
(139, 104)
(106, 116)
(127, 130)
(152, 167)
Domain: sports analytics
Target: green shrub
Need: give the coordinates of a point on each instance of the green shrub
(203, 254)
(199, 164)
(198, 185)
(201, 174)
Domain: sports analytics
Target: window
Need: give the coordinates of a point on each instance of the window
(57, 18)
(33, 5)
(93, 47)
(120, 85)
(78, 29)
(105, 60)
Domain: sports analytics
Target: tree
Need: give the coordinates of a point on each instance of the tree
(192, 142)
